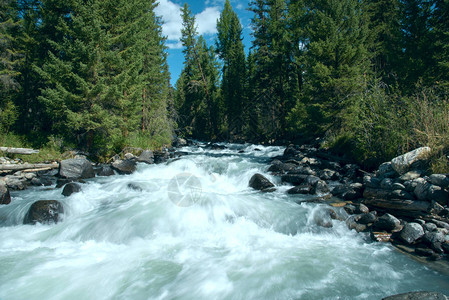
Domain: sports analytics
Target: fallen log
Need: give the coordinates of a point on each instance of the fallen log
(26, 151)
(21, 167)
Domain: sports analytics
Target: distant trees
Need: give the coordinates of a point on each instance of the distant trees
(94, 72)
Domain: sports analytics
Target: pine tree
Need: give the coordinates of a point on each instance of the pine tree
(231, 51)
(440, 24)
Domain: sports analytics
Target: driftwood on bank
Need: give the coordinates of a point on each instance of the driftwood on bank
(21, 167)
(18, 150)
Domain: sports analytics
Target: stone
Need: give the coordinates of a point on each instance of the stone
(41, 181)
(434, 240)
(385, 170)
(124, 166)
(290, 151)
(362, 209)
(295, 179)
(401, 194)
(71, 188)
(348, 192)
(440, 180)
(260, 182)
(370, 193)
(398, 186)
(422, 189)
(352, 223)
(105, 170)
(440, 224)
(76, 168)
(386, 184)
(280, 167)
(387, 222)
(397, 207)
(411, 233)
(424, 252)
(430, 227)
(312, 180)
(303, 189)
(129, 156)
(146, 156)
(411, 175)
(302, 170)
(320, 187)
(162, 156)
(403, 163)
(15, 182)
(350, 209)
(436, 208)
(44, 211)
(29, 176)
(328, 175)
(368, 218)
(5, 196)
(438, 194)
(371, 182)
(135, 187)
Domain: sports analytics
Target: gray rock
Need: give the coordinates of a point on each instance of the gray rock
(411, 233)
(71, 188)
(129, 156)
(76, 168)
(440, 224)
(439, 180)
(146, 156)
(135, 187)
(320, 187)
(362, 209)
(162, 156)
(411, 175)
(41, 181)
(436, 208)
(388, 223)
(105, 170)
(368, 218)
(371, 182)
(403, 163)
(5, 197)
(15, 182)
(398, 186)
(430, 227)
(44, 211)
(348, 192)
(260, 182)
(400, 194)
(385, 170)
(352, 223)
(422, 189)
(295, 179)
(302, 170)
(328, 174)
(418, 296)
(280, 167)
(350, 209)
(303, 189)
(370, 193)
(124, 166)
(397, 207)
(438, 194)
(386, 184)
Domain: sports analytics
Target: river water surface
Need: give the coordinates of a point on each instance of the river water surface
(193, 229)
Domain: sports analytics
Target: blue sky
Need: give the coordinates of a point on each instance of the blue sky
(206, 13)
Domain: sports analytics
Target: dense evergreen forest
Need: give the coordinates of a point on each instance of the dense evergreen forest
(369, 78)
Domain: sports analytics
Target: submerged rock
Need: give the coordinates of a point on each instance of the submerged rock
(260, 182)
(124, 166)
(76, 168)
(71, 188)
(44, 211)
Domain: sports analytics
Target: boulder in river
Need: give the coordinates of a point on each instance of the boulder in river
(76, 168)
(124, 166)
(71, 188)
(388, 223)
(44, 211)
(5, 197)
(105, 170)
(146, 156)
(260, 182)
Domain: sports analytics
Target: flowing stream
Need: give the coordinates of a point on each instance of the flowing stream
(193, 229)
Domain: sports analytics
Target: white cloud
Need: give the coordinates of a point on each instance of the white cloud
(171, 16)
(207, 20)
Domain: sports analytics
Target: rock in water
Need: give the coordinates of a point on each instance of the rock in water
(147, 157)
(387, 222)
(76, 168)
(411, 233)
(260, 182)
(418, 296)
(124, 166)
(105, 170)
(71, 188)
(44, 211)
(5, 197)
(403, 163)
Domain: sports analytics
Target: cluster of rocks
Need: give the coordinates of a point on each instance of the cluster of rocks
(70, 175)
(398, 203)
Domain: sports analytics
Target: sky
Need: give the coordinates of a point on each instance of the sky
(206, 14)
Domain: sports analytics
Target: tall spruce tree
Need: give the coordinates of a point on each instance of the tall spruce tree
(231, 51)
(336, 65)
(440, 25)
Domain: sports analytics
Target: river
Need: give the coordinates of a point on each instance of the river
(193, 229)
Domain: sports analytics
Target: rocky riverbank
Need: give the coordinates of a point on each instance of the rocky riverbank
(399, 203)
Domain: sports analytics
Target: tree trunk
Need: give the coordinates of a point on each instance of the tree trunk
(21, 167)
(18, 150)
